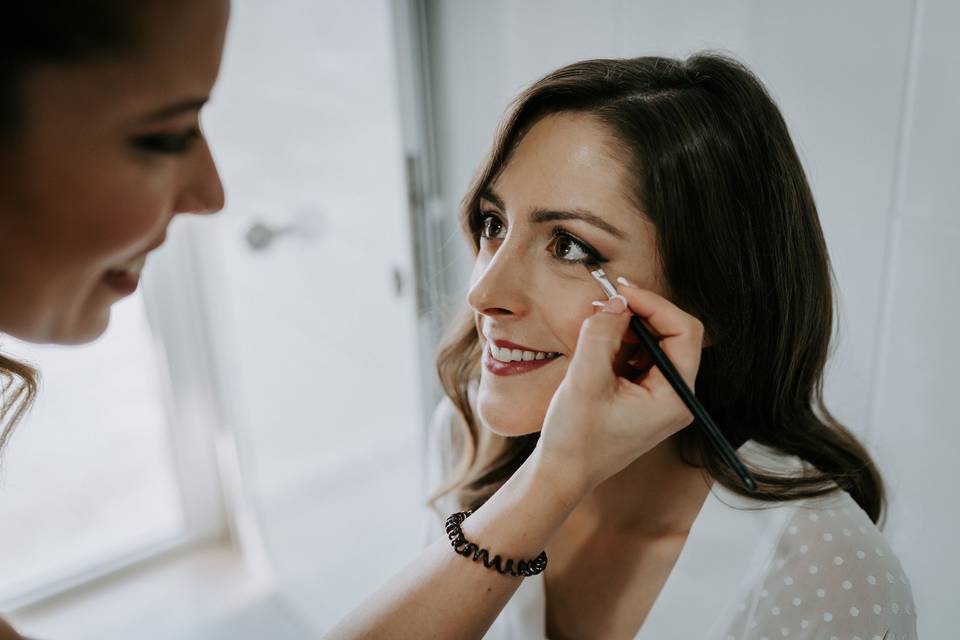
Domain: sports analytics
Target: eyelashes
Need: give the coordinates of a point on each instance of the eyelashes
(167, 143)
(564, 246)
(487, 226)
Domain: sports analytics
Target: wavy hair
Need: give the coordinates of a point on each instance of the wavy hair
(18, 388)
(741, 248)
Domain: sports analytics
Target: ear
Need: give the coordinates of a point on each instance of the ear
(707, 342)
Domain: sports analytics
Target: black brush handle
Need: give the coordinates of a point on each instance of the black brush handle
(699, 412)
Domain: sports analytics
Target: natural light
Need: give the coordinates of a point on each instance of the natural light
(87, 477)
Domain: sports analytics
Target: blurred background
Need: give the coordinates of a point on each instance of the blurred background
(241, 455)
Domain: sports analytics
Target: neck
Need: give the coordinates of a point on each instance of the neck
(658, 495)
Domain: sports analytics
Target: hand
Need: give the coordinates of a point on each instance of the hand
(598, 422)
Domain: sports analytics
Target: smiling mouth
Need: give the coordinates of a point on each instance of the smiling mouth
(131, 267)
(507, 361)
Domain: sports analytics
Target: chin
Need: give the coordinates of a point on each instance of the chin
(506, 419)
(84, 329)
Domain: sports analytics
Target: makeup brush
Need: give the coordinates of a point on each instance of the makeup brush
(702, 418)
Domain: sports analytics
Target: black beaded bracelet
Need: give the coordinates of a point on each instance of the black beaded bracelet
(466, 548)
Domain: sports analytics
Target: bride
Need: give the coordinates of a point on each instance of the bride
(681, 177)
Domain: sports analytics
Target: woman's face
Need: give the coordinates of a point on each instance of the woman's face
(564, 187)
(109, 151)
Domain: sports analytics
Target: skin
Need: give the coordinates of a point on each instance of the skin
(79, 196)
(81, 189)
(611, 557)
(521, 291)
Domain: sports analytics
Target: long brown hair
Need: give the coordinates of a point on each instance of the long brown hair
(18, 388)
(741, 248)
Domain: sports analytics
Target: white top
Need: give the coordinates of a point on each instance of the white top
(752, 570)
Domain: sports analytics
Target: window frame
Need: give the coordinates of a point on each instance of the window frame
(203, 443)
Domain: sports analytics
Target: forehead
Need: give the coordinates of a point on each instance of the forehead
(177, 57)
(569, 161)
(183, 43)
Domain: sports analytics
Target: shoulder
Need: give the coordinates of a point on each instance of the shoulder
(443, 415)
(442, 449)
(833, 568)
(441, 433)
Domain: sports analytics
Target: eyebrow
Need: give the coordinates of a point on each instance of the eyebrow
(176, 109)
(541, 215)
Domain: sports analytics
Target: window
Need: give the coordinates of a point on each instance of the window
(118, 458)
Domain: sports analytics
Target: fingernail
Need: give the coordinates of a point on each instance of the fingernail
(625, 282)
(615, 305)
(599, 303)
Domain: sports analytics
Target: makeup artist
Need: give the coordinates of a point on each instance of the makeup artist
(102, 148)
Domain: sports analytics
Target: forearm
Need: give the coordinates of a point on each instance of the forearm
(444, 595)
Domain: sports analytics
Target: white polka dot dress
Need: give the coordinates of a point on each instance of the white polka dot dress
(832, 575)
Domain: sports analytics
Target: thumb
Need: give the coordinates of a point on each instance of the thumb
(591, 368)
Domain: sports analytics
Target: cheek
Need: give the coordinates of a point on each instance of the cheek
(516, 405)
(124, 215)
(67, 222)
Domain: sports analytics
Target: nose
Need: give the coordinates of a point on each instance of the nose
(203, 189)
(499, 284)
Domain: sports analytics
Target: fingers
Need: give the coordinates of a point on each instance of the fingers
(600, 337)
(678, 334)
(662, 316)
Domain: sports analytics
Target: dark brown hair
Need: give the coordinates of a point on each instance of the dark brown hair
(35, 33)
(38, 32)
(741, 248)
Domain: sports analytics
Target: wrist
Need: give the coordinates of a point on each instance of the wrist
(523, 515)
(556, 479)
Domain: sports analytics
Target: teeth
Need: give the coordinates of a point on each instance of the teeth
(503, 354)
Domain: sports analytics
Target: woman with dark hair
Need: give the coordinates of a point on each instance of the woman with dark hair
(679, 175)
(101, 147)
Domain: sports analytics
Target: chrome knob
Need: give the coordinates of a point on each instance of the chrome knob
(260, 236)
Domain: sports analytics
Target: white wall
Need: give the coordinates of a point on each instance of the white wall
(870, 92)
(316, 347)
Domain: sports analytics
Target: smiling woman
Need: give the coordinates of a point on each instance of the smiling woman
(680, 176)
(683, 178)
(537, 223)
(99, 120)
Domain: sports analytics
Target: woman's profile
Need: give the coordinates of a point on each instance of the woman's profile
(681, 176)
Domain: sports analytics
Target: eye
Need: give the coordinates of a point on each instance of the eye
(566, 248)
(167, 143)
(490, 226)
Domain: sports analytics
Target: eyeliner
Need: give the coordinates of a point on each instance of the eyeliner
(720, 443)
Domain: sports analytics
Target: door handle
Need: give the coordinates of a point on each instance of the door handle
(260, 235)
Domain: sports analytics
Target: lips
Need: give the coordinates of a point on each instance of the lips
(505, 358)
(123, 282)
(134, 265)
(124, 278)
